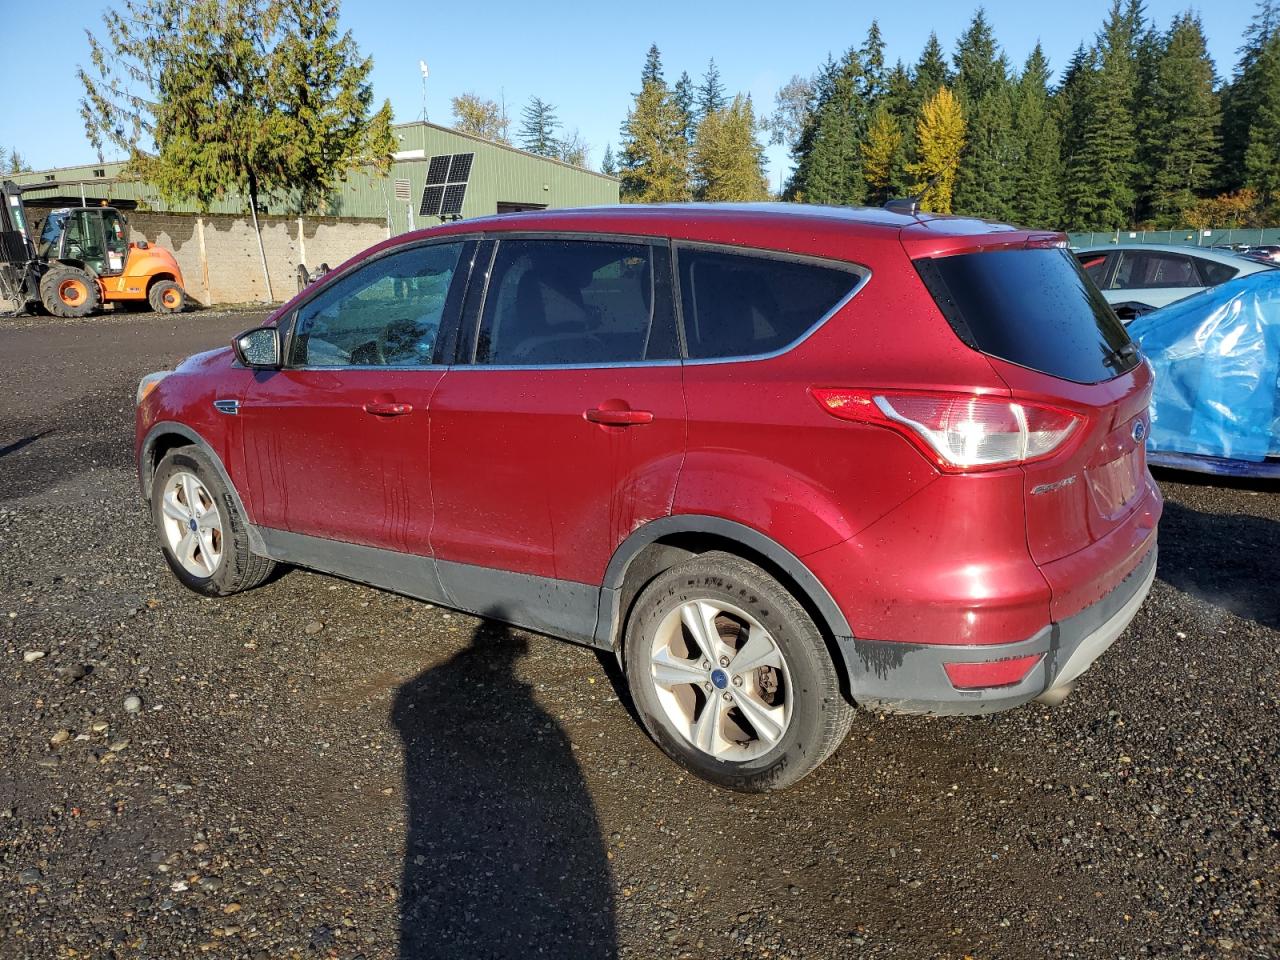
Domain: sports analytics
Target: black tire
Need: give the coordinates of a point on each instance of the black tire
(239, 567)
(820, 715)
(165, 296)
(69, 291)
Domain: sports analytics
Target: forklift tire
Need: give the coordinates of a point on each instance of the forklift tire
(69, 291)
(167, 297)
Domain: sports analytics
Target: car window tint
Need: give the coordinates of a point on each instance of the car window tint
(1033, 308)
(1139, 270)
(384, 313)
(570, 302)
(748, 304)
(1215, 273)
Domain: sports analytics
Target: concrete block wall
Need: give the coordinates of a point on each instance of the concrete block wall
(218, 254)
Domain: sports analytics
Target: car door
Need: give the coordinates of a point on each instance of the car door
(336, 442)
(560, 430)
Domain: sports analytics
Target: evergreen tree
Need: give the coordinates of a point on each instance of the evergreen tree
(683, 94)
(608, 165)
(1242, 99)
(1149, 114)
(249, 97)
(985, 181)
(833, 171)
(538, 128)
(883, 155)
(655, 154)
(931, 72)
(821, 90)
(728, 160)
(939, 142)
(871, 58)
(710, 96)
(1185, 166)
(1099, 192)
(1262, 153)
(1037, 147)
(652, 70)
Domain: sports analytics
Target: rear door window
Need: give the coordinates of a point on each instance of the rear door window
(1032, 307)
(747, 304)
(1147, 270)
(555, 302)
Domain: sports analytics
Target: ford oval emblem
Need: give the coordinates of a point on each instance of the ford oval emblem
(1139, 431)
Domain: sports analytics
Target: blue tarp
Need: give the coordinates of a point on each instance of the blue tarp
(1217, 363)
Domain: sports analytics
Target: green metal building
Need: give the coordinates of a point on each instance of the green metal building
(501, 179)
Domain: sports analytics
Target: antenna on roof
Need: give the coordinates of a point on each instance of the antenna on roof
(910, 206)
(422, 65)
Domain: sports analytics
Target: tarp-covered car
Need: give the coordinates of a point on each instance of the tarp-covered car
(1216, 405)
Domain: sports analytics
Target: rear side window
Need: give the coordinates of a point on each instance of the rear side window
(554, 302)
(749, 304)
(1034, 308)
(1216, 273)
(1151, 271)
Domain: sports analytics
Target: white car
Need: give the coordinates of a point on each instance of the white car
(1137, 277)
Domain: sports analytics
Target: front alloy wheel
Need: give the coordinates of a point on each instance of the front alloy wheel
(192, 525)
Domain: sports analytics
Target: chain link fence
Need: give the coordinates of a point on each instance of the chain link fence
(1189, 237)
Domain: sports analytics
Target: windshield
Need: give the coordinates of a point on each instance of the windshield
(1035, 308)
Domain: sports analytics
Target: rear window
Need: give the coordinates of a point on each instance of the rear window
(1034, 308)
(740, 304)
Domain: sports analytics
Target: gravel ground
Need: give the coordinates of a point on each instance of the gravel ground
(318, 769)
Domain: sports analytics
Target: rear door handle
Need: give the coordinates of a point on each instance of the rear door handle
(618, 418)
(388, 409)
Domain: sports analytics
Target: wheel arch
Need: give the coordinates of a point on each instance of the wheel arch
(168, 435)
(157, 277)
(662, 543)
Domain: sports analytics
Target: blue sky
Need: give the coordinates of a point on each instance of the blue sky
(584, 58)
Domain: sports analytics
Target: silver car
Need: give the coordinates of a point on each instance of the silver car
(1137, 277)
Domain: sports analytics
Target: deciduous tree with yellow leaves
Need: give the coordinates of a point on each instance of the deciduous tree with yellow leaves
(939, 141)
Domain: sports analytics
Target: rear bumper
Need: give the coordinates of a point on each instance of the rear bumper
(912, 677)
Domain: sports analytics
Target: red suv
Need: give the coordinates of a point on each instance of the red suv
(781, 460)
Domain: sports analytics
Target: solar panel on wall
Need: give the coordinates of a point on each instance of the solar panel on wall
(446, 188)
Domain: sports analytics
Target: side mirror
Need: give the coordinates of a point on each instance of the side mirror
(258, 349)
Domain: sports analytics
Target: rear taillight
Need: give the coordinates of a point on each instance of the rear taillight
(958, 432)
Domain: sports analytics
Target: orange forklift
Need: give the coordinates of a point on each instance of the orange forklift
(81, 260)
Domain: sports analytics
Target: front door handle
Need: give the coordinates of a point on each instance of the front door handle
(388, 409)
(618, 418)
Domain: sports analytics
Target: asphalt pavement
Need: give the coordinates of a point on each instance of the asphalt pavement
(319, 769)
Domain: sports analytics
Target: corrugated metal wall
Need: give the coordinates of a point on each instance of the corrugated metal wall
(500, 174)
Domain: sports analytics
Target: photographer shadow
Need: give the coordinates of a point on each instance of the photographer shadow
(503, 856)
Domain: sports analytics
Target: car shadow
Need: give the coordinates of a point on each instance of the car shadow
(503, 855)
(1240, 578)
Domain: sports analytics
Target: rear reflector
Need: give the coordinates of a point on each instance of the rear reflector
(991, 673)
(958, 432)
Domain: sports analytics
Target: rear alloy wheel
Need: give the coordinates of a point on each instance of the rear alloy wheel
(731, 676)
(68, 291)
(166, 296)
